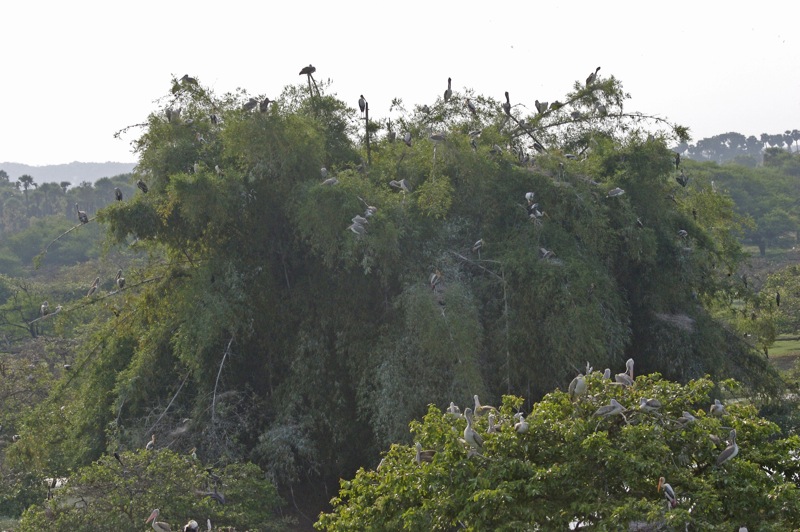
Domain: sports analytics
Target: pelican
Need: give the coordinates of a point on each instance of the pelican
(546, 253)
(93, 288)
(358, 219)
(423, 456)
(626, 378)
(362, 104)
(407, 138)
(686, 418)
(577, 387)
(191, 526)
(330, 182)
(158, 526)
(470, 435)
(250, 104)
(649, 405)
(615, 192)
(607, 374)
(449, 92)
(323, 172)
(186, 79)
(592, 77)
(471, 107)
(400, 185)
(730, 451)
(482, 409)
(45, 309)
(717, 409)
(669, 493)
(541, 107)
(492, 426)
(118, 194)
(84, 219)
(142, 186)
(437, 137)
(453, 409)
(152, 443)
(507, 105)
(682, 179)
(521, 426)
(496, 150)
(173, 115)
(611, 409)
(529, 196)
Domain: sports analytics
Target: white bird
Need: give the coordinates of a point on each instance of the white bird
(492, 426)
(669, 493)
(423, 456)
(323, 172)
(529, 196)
(717, 409)
(453, 409)
(152, 443)
(330, 182)
(449, 92)
(611, 409)
(470, 435)
(45, 309)
(521, 426)
(191, 526)
(158, 526)
(615, 192)
(607, 374)
(686, 418)
(730, 451)
(649, 405)
(577, 387)
(626, 378)
(400, 185)
(120, 280)
(481, 410)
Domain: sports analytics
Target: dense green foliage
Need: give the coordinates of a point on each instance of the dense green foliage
(261, 322)
(573, 468)
(109, 495)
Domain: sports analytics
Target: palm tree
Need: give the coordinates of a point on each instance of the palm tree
(26, 181)
(65, 185)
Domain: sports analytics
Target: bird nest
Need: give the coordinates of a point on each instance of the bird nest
(681, 321)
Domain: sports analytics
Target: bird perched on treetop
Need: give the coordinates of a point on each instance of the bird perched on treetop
(310, 69)
(449, 92)
(592, 77)
(118, 194)
(507, 105)
(362, 104)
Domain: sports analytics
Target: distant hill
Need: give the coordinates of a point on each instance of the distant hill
(74, 172)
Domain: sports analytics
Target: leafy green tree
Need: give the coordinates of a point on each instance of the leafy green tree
(573, 468)
(111, 495)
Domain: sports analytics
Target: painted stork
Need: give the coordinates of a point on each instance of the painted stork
(84, 219)
(592, 77)
(686, 418)
(263, 106)
(626, 378)
(669, 493)
(118, 194)
(120, 280)
(449, 92)
(142, 186)
(577, 387)
(730, 451)
(423, 456)
(453, 409)
(507, 105)
(470, 435)
(158, 526)
(477, 246)
(250, 104)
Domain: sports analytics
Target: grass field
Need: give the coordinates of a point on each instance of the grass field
(7, 523)
(785, 352)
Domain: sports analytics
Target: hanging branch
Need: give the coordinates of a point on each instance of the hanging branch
(214, 398)
(170, 403)
(37, 260)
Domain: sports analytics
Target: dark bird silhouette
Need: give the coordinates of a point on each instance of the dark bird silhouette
(188, 80)
(116, 455)
(264, 105)
(93, 288)
(362, 104)
(449, 92)
(250, 104)
(142, 186)
(84, 219)
(308, 71)
(682, 179)
(677, 160)
(592, 77)
(120, 280)
(778, 298)
(471, 107)
(507, 105)
(118, 194)
(541, 107)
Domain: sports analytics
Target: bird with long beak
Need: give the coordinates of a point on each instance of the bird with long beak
(649, 405)
(191, 526)
(152, 443)
(449, 92)
(481, 410)
(507, 105)
(453, 410)
(423, 456)
(669, 493)
(470, 435)
(158, 526)
(521, 426)
(626, 378)
(717, 409)
(730, 451)
(611, 409)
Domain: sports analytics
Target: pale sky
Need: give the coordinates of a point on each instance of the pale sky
(75, 72)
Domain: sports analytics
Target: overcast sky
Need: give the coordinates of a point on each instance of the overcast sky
(75, 72)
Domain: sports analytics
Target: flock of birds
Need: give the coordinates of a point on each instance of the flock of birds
(473, 441)
(161, 526)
